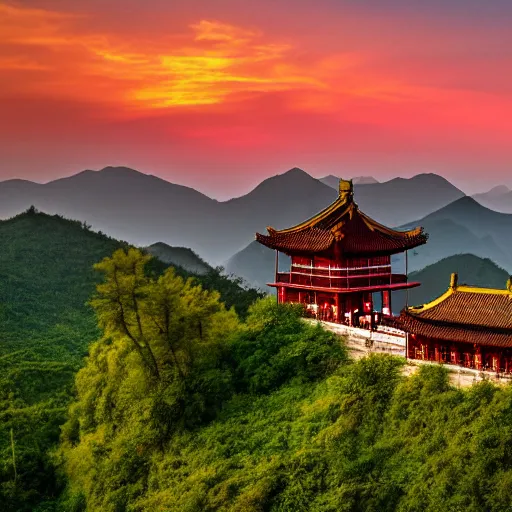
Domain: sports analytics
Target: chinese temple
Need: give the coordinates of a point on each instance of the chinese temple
(340, 258)
(466, 326)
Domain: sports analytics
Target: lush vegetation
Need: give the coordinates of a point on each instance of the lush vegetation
(266, 415)
(46, 326)
(186, 404)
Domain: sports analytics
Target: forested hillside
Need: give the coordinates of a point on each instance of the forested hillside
(184, 404)
(46, 278)
(267, 415)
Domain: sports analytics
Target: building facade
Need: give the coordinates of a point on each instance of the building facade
(467, 326)
(339, 259)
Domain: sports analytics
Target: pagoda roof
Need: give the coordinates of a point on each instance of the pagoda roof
(344, 226)
(464, 314)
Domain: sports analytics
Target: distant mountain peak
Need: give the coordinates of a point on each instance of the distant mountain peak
(364, 180)
(179, 256)
(333, 181)
(499, 199)
(119, 169)
(294, 173)
(499, 190)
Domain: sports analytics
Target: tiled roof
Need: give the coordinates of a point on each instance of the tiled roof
(465, 305)
(311, 240)
(360, 238)
(465, 314)
(345, 228)
(456, 333)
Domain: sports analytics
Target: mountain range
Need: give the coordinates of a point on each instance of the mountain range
(144, 209)
(464, 226)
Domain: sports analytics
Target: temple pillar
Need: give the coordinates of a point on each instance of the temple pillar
(386, 302)
(337, 305)
(453, 354)
(478, 358)
(496, 362)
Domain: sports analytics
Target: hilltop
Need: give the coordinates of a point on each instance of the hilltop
(180, 257)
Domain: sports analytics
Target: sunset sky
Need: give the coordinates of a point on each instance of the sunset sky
(220, 94)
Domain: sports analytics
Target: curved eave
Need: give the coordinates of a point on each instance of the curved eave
(312, 242)
(317, 241)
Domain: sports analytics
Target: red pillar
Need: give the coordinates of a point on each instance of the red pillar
(478, 358)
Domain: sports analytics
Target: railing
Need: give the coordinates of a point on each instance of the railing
(346, 282)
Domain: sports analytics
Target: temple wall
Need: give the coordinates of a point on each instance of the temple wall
(478, 357)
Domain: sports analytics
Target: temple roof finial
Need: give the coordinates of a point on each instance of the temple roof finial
(346, 188)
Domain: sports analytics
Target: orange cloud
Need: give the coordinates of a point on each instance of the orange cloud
(211, 65)
(47, 53)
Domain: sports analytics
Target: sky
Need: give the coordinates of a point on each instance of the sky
(221, 94)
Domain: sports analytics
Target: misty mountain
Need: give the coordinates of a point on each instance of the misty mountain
(124, 203)
(498, 198)
(401, 198)
(256, 265)
(392, 201)
(179, 257)
(494, 230)
(333, 181)
(435, 279)
(447, 238)
(144, 209)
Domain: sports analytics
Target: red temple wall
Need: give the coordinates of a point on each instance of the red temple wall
(478, 357)
(343, 273)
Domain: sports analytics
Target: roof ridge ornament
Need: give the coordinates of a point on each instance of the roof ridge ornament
(346, 189)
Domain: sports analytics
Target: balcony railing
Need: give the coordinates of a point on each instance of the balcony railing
(340, 281)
